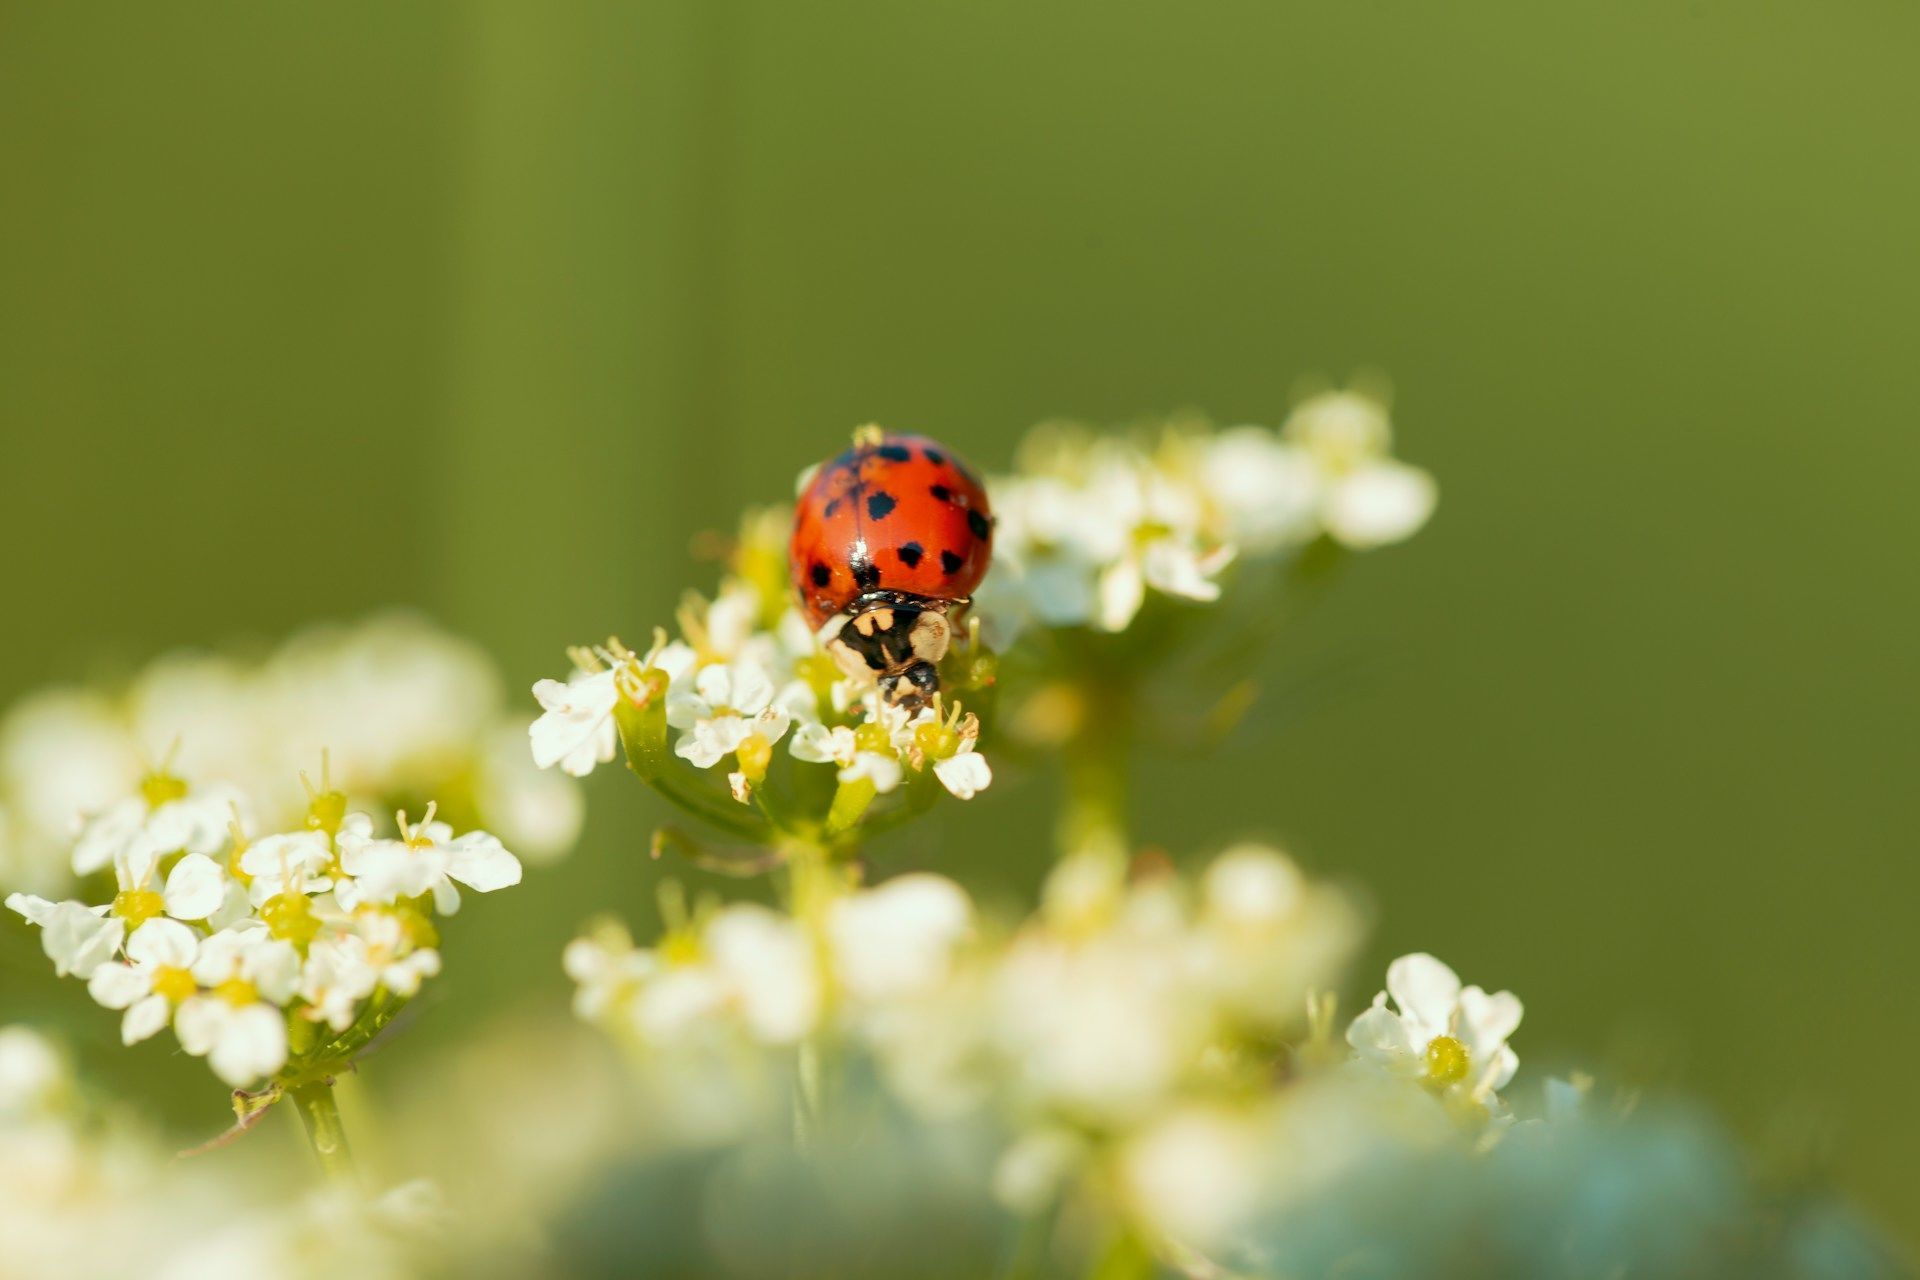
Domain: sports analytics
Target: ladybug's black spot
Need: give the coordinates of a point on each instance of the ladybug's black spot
(910, 554)
(950, 563)
(895, 452)
(866, 575)
(941, 493)
(880, 505)
(833, 506)
(936, 457)
(821, 574)
(981, 526)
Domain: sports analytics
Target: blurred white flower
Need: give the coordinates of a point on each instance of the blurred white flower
(167, 819)
(898, 938)
(33, 1074)
(1367, 499)
(1451, 1038)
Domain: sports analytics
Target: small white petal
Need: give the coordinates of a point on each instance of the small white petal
(143, 1019)
(78, 939)
(1381, 503)
(252, 1045)
(1122, 589)
(118, 986)
(479, 861)
(1381, 1037)
(195, 887)
(1426, 992)
(163, 942)
(965, 775)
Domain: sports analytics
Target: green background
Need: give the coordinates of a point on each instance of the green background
(491, 308)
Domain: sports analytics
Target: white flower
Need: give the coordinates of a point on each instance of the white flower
(1367, 498)
(243, 1043)
(1169, 563)
(293, 862)
(336, 976)
(576, 729)
(33, 1074)
(898, 938)
(818, 744)
(768, 964)
(964, 772)
(342, 970)
(1195, 1174)
(1452, 1038)
(400, 966)
(138, 829)
(158, 976)
(1380, 503)
(1266, 492)
(426, 859)
(76, 937)
(728, 704)
(238, 1025)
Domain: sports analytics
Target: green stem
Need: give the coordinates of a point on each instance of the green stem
(320, 1113)
(1094, 814)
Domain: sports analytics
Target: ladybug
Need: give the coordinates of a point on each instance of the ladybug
(889, 540)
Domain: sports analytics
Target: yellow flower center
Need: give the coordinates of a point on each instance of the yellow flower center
(160, 787)
(290, 916)
(872, 736)
(680, 947)
(238, 992)
(755, 754)
(936, 740)
(137, 906)
(1447, 1062)
(326, 811)
(173, 983)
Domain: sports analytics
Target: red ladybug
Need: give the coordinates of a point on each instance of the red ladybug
(889, 538)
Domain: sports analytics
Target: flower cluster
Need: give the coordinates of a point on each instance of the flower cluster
(1142, 1039)
(85, 1195)
(1090, 524)
(404, 710)
(746, 676)
(269, 954)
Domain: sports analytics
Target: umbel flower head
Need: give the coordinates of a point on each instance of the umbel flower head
(404, 709)
(267, 955)
(747, 691)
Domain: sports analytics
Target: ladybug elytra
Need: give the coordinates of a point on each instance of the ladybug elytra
(889, 539)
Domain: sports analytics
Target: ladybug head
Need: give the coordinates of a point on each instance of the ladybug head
(895, 640)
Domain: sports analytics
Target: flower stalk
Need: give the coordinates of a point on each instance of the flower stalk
(320, 1116)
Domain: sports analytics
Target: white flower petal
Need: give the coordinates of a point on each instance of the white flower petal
(1383, 502)
(118, 986)
(1426, 991)
(79, 940)
(482, 863)
(1381, 1037)
(144, 1018)
(195, 888)
(163, 942)
(965, 775)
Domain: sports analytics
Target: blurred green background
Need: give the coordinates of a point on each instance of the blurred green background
(490, 308)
